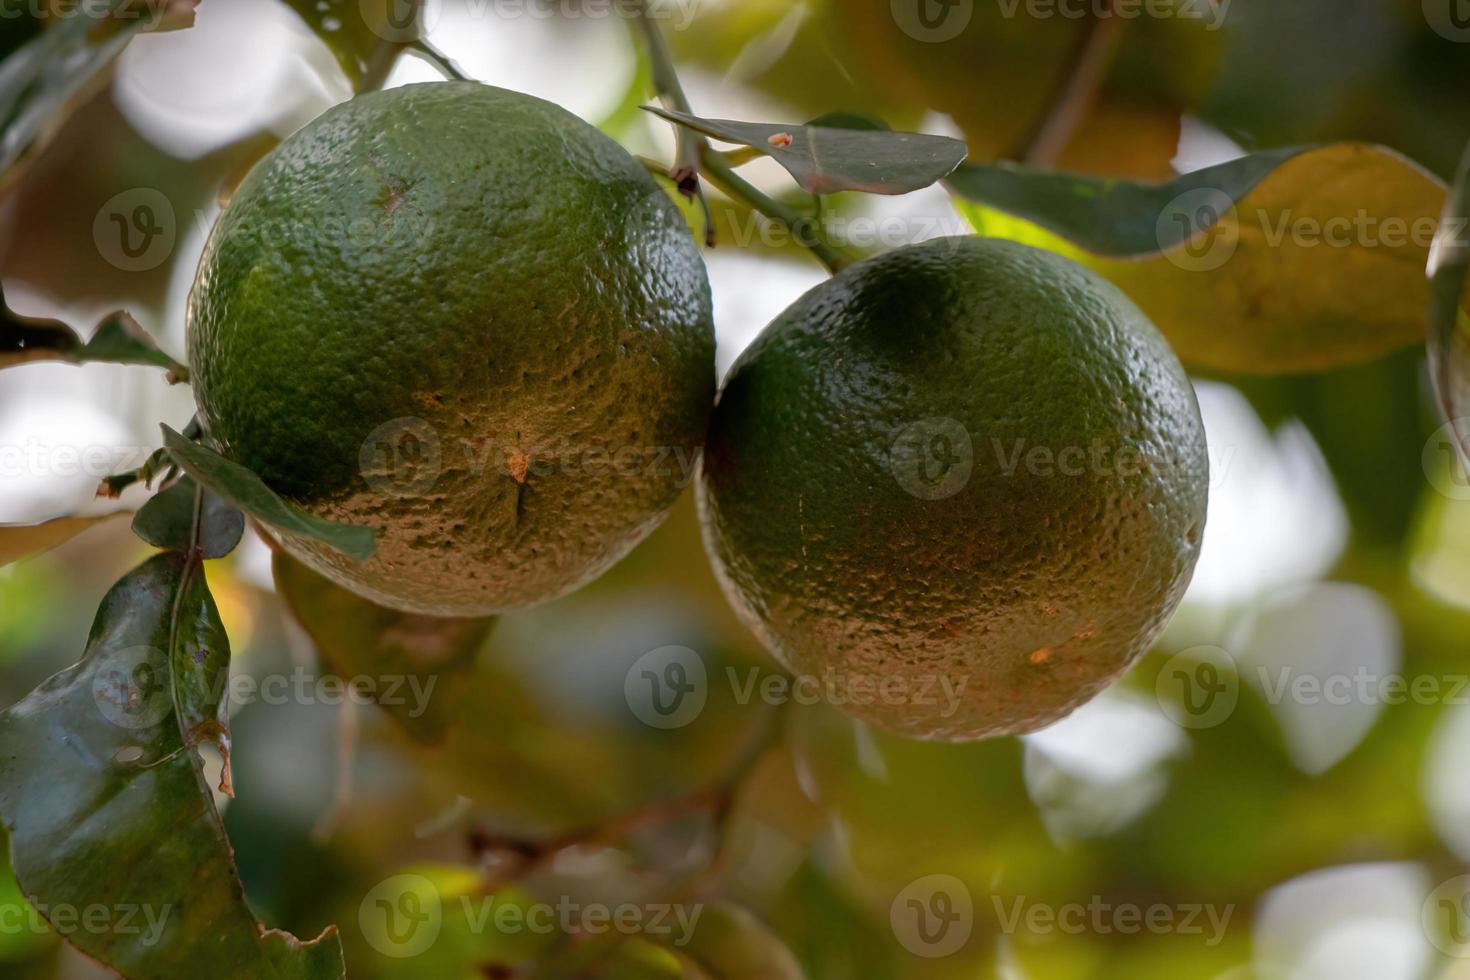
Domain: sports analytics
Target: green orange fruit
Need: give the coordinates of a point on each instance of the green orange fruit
(468, 319)
(961, 484)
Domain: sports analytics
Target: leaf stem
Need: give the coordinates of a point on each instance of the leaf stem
(693, 155)
(803, 228)
(425, 49)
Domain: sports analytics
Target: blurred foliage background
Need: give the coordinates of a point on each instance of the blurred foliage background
(1310, 837)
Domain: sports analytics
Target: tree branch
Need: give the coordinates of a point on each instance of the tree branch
(1076, 90)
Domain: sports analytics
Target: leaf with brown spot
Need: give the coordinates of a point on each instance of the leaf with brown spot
(825, 159)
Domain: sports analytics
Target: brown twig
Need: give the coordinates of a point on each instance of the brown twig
(1076, 89)
(689, 146)
(525, 857)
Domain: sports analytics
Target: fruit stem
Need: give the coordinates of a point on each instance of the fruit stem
(426, 50)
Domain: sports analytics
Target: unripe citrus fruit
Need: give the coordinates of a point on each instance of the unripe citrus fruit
(961, 484)
(466, 318)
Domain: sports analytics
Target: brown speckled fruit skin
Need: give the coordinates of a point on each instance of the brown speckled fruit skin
(489, 264)
(1034, 591)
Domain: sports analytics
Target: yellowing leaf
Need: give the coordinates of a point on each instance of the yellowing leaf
(1284, 261)
(18, 541)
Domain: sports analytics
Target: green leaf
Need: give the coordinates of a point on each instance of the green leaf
(1449, 322)
(248, 492)
(850, 120)
(20, 541)
(365, 36)
(730, 943)
(184, 514)
(118, 339)
(430, 658)
(106, 802)
(57, 67)
(825, 160)
(1283, 261)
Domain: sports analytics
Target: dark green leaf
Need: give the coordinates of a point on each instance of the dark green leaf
(850, 120)
(1449, 323)
(18, 541)
(119, 339)
(430, 658)
(248, 492)
(184, 515)
(825, 160)
(1119, 218)
(365, 36)
(52, 70)
(106, 802)
(1281, 262)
